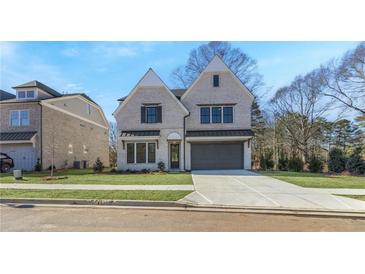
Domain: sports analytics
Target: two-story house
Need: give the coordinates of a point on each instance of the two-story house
(64, 129)
(207, 126)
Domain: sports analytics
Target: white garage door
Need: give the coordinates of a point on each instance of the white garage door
(24, 155)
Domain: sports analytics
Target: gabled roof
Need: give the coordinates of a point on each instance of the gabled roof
(6, 95)
(81, 94)
(178, 92)
(218, 65)
(150, 79)
(40, 85)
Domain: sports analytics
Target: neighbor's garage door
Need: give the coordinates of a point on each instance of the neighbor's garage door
(217, 156)
(24, 155)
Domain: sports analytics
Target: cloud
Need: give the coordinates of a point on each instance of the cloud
(116, 51)
(70, 52)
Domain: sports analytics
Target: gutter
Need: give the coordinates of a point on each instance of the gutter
(184, 133)
(41, 135)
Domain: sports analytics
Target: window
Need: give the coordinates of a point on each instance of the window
(151, 152)
(205, 115)
(26, 94)
(141, 152)
(216, 115)
(86, 150)
(215, 80)
(151, 114)
(227, 115)
(30, 94)
(130, 153)
(21, 94)
(19, 118)
(70, 149)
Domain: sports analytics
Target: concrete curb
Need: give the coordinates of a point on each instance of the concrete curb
(167, 205)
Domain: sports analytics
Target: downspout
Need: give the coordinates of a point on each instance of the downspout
(184, 123)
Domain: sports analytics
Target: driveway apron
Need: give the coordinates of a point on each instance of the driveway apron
(245, 188)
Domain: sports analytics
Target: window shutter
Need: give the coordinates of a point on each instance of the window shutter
(143, 114)
(159, 114)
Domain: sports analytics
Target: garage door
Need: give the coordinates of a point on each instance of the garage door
(24, 155)
(217, 156)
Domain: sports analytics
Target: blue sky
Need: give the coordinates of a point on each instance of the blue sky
(107, 71)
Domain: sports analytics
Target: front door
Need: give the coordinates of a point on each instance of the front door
(174, 155)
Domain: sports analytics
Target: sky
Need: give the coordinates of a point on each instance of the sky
(107, 71)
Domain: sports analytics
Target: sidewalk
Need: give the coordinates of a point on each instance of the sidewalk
(97, 187)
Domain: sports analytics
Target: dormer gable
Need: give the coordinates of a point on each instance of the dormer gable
(35, 90)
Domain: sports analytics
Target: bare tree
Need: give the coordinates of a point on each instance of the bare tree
(113, 134)
(239, 62)
(345, 79)
(298, 108)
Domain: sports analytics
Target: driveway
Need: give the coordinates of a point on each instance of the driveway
(249, 189)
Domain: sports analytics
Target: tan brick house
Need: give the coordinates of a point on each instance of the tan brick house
(207, 126)
(69, 130)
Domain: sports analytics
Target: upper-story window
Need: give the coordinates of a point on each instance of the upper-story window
(19, 118)
(216, 114)
(151, 114)
(205, 115)
(216, 80)
(29, 94)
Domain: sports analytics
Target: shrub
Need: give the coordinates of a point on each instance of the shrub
(355, 164)
(337, 160)
(145, 170)
(266, 161)
(38, 166)
(98, 166)
(283, 164)
(161, 166)
(295, 164)
(315, 165)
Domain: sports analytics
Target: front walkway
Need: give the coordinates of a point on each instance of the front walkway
(249, 189)
(96, 187)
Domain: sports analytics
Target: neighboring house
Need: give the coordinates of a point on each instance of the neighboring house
(207, 126)
(66, 129)
(6, 95)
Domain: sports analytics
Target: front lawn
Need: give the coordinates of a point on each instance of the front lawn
(358, 197)
(307, 179)
(86, 176)
(155, 195)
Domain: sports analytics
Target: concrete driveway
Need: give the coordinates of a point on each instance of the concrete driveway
(249, 189)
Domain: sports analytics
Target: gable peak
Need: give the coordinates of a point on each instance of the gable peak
(216, 64)
(151, 79)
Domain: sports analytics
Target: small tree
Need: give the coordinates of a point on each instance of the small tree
(283, 163)
(38, 166)
(315, 165)
(161, 166)
(98, 166)
(295, 164)
(355, 164)
(337, 160)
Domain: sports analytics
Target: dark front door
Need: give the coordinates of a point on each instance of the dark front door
(174, 155)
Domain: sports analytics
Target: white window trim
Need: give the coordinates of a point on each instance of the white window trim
(135, 152)
(19, 119)
(211, 114)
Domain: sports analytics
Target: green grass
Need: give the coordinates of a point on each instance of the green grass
(155, 195)
(307, 179)
(358, 197)
(86, 176)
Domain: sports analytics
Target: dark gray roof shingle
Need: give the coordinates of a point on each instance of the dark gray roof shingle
(40, 85)
(219, 133)
(6, 95)
(139, 133)
(17, 136)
